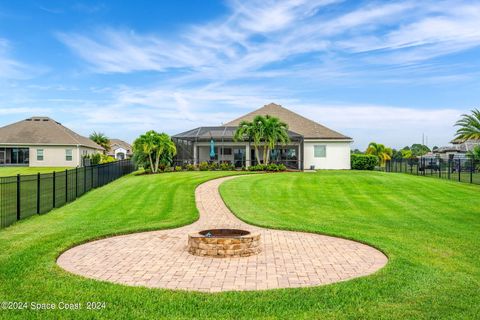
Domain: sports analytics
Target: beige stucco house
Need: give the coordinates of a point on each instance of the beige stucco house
(120, 149)
(43, 142)
(312, 145)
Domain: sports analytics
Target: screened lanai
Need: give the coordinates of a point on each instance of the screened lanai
(216, 144)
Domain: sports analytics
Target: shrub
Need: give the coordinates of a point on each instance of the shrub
(190, 167)
(258, 167)
(225, 166)
(169, 169)
(178, 168)
(282, 167)
(272, 167)
(203, 166)
(363, 161)
(213, 166)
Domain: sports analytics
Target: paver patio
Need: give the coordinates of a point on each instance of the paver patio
(159, 259)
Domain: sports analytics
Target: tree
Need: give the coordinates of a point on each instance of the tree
(419, 150)
(275, 131)
(102, 140)
(153, 149)
(383, 153)
(475, 153)
(469, 126)
(252, 131)
(407, 154)
(267, 130)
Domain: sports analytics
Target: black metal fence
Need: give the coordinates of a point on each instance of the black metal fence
(463, 170)
(22, 196)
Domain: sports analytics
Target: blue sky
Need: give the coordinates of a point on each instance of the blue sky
(385, 71)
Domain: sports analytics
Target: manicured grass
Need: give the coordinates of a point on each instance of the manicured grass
(429, 228)
(13, 171)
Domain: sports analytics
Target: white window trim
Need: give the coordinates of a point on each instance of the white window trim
(319, 145)
(66, 155)
(43, 154)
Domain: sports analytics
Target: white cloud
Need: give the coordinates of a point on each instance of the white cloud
(9, 67)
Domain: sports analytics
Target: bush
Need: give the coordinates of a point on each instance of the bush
(178, 168)
(213, 166)
(258, 167)
(282, 167)
(169, 169)
(363, 161)
(190, 167)
(225, 166)
(203, 166)
(272, 167)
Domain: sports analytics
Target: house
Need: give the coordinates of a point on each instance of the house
(458, 149)
(120, 149)
(43, 142)
(312, 145)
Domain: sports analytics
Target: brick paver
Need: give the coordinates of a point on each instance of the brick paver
(159, 259)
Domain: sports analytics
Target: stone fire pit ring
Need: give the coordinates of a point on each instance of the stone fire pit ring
(223, 243)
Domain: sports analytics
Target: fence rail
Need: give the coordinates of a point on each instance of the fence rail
(22, 196)
(462, 170)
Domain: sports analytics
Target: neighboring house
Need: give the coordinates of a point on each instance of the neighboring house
(311, 144)
(43, 142)
(458, 150)
(120, 149)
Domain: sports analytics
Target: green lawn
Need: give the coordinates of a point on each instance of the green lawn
(428, 228)
(13, 171)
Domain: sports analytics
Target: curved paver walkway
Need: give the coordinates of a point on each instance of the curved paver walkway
(159, 259)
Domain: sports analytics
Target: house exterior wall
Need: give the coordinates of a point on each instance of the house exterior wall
(337, 154)
(55, 156)
(120, 150)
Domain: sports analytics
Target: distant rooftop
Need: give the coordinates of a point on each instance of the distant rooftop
(42, 130)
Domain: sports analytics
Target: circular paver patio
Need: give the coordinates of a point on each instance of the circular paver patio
(159, 259)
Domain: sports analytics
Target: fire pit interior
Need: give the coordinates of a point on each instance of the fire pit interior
(224, 243)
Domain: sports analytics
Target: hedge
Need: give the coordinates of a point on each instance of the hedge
(363, 161)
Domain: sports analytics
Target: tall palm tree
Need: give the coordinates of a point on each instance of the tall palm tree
(101, 139)
(383, 153)
(275, 131)
(469, 126)
(253, 131)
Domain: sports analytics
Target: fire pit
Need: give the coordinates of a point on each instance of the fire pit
(223, 243)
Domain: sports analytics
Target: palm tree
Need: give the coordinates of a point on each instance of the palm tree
(102, 140)
(154, 146)
(383, 153)
(275, 131)
(253, 131)
(469, 126)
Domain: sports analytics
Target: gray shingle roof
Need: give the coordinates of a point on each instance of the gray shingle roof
(307, 128)
(42, 130)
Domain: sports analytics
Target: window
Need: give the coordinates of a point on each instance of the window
(68, 154)
(320, 151)
(227, 151)
(39, 154)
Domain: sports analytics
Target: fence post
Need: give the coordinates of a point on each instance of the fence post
(66, 185)
(76, 182)
(459, 170)
(84, 179)
(471, 170)
(38, 193)
(449, 167)
(18, 197)
(54, 191)
(440, 168)
(91, 176)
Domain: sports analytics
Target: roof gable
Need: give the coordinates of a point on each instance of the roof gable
(299, 124)
(42, 130)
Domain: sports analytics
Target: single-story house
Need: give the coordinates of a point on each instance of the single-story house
(120, 149)
(43, 142)
(312, 145)
(457, 150)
